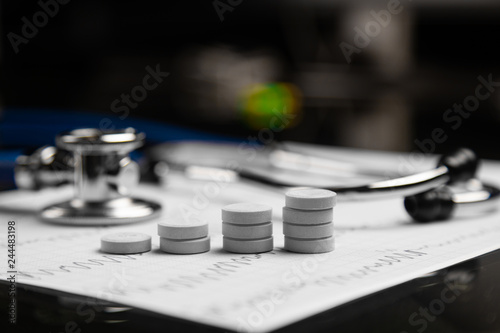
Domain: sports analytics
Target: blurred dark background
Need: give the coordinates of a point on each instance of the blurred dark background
(231, 76)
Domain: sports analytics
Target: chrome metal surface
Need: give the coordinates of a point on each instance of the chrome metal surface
(109, 212)
(476, 202)
(94, 141)
(103, 177)
(45, 167)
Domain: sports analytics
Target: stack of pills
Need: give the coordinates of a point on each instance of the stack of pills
(307, 220)
(184, 239)
(247, 228)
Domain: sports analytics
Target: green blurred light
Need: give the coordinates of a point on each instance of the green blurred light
(261, 103)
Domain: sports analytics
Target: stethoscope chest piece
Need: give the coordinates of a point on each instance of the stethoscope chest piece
(103, 177)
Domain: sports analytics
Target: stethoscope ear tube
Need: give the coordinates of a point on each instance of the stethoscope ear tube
(437, 204)
(427, 195)
(458, 166)
(441, 203)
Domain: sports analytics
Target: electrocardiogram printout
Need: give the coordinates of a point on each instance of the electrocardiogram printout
(377, 247)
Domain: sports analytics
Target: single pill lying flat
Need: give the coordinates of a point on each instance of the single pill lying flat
(308, 231)
(182, 231)
(320, 245)
(247, 245)
(310, 199)
(246, 213)
(191, 246)
(307, 217)
(126, 243)
(247, 231)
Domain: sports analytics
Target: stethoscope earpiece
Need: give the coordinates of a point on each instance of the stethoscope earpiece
(433, 205)
(441, 203)
(462, 165)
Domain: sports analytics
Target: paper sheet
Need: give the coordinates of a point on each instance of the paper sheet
(376, 247)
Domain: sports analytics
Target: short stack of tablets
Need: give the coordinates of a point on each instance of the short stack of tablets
(247, 228)
(126, 243)
(184, 238)
(308, 220)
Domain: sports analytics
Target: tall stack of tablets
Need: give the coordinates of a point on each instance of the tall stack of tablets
(308, 220)
(184, 239)
(247, 228)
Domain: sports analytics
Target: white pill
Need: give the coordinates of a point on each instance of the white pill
(126, 243)
(247, 246)
(247, 231)
(310, 199)
(182, 231)
(320, 245)
(308, 231)
(298, 216)
(191, 246)
(246, 213)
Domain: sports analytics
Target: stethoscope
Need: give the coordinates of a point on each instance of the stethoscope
(427, 195)
(98, 164)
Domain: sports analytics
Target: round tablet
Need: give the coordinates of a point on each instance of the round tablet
(182, 231)
(126, 243)
(246, 213)
(247, 246)
(247, 231)
(320, 245)
(310, 199)
(308, 231)
(307, 217)
(191, 246)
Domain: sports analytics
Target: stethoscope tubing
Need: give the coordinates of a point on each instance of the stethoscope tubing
(396, 187)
